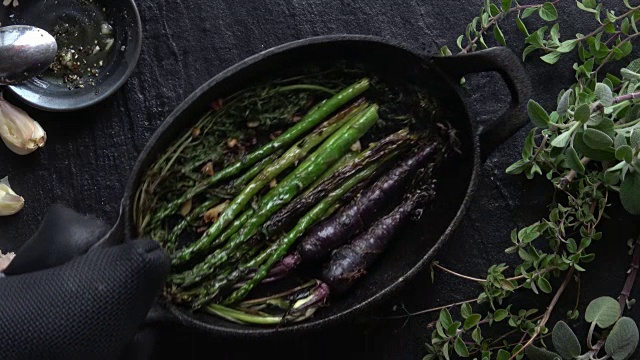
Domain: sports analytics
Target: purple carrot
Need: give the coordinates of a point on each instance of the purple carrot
(383, 195)
(351, 261)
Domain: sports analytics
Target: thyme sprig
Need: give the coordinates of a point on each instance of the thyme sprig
(588, 148)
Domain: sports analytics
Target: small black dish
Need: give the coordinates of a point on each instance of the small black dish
(99, 43)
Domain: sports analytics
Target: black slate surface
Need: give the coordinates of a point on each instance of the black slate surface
(89, 154)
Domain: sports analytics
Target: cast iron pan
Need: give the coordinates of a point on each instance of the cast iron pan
(394, 63)
(78, 24)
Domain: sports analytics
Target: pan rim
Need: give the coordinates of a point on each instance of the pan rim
(184, 316)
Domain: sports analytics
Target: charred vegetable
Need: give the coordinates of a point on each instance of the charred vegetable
(282, 173)
(351, 261)
(294, 210)
(297, 152)
(382, 195)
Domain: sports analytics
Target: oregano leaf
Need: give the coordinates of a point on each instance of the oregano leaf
(528, 50)
(565, 341)
(552, 57)
(629, 75)
(503, 355)
(440, 330)
(537, 114)
(529, 144)
(536, 353)
(622, 340)
(544, 285)
(453, 328)
(582, 113)
(635, 138)
(593, 154)
(629, 194)
(555, 34)
(521, 26)
(548, 12)
(573, 160)
(624, 27)
(624, 153)
(517, 168)
(563, 104)
(460, 347)
(445, 318)
(471, 321)
(604, 311)
(444, 51)
(506, 5)
(476, 335)
(500, 315)
(465, 310)
(562, 140)
(619, 140)
(445, 351)
(498, 35)
(604, 94)
(567, 46)
(493, 10)
(597, 139)
(634, 65)
(527, 12)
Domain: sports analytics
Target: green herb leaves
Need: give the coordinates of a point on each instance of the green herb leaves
(588, 147)
(582, 114)
(537, 114)
(604, 311)
(565, 341)
(548, 12)
(603, 94)
(536, 353)
(629, 194)
(622, 340)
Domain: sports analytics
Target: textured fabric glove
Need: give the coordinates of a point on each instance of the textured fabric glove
(69, 295)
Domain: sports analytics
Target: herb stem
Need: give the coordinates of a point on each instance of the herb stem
(513, 331)
(631, 277)
(306, 87)
(458, 275)
(494, 20)
(629, 96)
(572, 174)
(607, 22)
(608, 57)
(478, 280)
(626, 125)
(578, 293)
(547, 313)
(426, 311)
(543, 143)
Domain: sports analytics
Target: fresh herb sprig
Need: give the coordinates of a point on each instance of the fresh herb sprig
(588, 147)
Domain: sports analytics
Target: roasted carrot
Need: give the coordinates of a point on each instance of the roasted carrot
(351, 261)
(383, 195)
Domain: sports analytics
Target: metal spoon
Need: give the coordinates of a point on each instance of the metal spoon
(25, 52)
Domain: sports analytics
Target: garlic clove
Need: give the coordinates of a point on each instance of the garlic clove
(10, 202)
(5, 260)
(18, 130)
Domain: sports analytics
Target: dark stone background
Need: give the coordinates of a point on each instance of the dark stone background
(89, 154)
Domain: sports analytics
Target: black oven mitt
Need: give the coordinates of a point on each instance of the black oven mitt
(68, 295)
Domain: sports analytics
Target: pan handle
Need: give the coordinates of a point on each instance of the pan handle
(158, 313)
(509, 66)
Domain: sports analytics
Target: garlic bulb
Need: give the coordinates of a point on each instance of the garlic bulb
(18, 130)
(10, 202)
